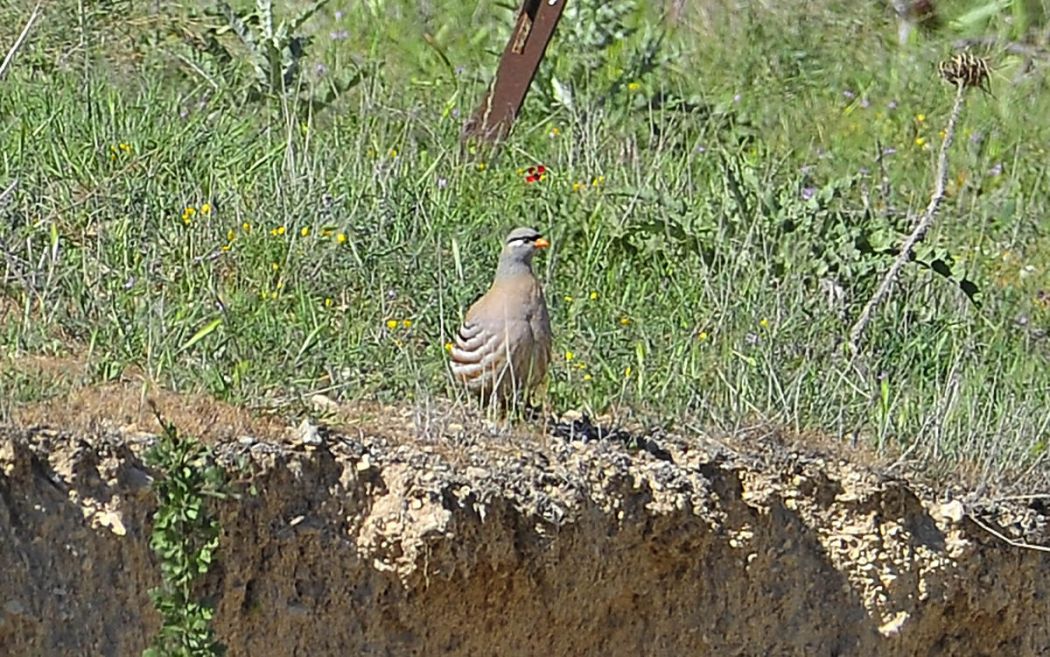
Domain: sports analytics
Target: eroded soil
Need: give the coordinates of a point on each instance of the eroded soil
(401, 532)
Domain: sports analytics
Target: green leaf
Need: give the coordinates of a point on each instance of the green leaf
(562, 93)
(305, 15)
(202, 333)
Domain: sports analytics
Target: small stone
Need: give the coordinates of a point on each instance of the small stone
(893, 626)
(14, 607)
(952, 511)
(307, 433)
(112, 521)
(323, 404)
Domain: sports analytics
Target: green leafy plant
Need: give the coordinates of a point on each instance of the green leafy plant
(276, 51)
(185, 538)
(602, 58)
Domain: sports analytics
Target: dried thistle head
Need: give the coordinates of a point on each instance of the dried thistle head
(967, 70)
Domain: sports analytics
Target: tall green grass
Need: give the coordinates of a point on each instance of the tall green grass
(721, 202)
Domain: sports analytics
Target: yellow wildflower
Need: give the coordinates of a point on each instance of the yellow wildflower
(276, 266)
(702, 336)
(569, 355)
(554, 132)
(231, 235)
(481, 166)
(598, 181)
(634, 86)
(920, 118)
(406, 323)
(625, 321)
(627, 372)
(206, 208)
(568, 298)
(578, 186)
(125, 147)
(920, 141)
(328, 302)
(594, 296)
(764, 323)
(246, 227)
(304, 231)
(587, 377)
(448, 346)
(341, 238)
(392, 153)
(391, 324)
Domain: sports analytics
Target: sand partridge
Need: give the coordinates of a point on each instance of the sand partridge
(502, 350)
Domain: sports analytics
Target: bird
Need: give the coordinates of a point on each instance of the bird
(502, 349)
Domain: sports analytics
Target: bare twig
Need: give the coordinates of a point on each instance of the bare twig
(921, 228)
(18, 42)
(1012, 47)
(8, 190)
(1007, 539)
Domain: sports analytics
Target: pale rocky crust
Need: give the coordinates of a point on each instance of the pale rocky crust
(439, 537)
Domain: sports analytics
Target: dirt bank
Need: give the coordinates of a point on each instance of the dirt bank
(444, 540)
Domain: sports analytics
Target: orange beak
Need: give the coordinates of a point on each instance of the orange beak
(541, 243)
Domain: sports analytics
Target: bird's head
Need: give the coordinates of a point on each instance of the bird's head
(519, 247)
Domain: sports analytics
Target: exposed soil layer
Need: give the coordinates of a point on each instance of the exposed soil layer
(444, 538)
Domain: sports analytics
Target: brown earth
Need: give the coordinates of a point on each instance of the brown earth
(410, 533)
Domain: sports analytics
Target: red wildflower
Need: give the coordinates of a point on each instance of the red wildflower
(536, 173)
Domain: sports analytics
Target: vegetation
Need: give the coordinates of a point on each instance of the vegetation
(264, 212)
(185, 540)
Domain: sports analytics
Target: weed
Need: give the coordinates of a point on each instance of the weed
(185, 539)
(274, 51)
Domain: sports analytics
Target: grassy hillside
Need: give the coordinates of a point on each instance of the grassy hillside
(725, 187)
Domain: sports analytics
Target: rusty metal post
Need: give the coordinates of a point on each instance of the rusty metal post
(517, 67)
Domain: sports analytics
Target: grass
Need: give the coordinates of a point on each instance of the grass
(707, 263)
